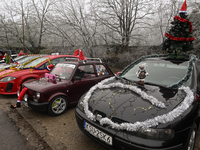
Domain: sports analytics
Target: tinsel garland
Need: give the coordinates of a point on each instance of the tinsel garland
(165, 118)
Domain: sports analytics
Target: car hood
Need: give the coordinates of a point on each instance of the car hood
(43, 85)
(124, 105)
(6, 72)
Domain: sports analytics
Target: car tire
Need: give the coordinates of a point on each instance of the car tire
(191, 138)
(57, 105)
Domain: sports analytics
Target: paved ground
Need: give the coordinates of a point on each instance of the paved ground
(45, 132)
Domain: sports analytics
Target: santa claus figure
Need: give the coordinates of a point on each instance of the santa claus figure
(141, 74)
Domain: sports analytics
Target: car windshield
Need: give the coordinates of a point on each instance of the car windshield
(160, 72)
(36, 62)
(64, 71)
(22, 61)
(19, 57)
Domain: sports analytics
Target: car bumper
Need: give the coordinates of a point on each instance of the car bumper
(37, 106)
(8, 88)
(119, 142)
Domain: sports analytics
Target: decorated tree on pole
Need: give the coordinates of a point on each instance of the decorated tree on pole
(179, 37)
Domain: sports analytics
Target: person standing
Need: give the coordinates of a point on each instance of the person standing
(21, 53)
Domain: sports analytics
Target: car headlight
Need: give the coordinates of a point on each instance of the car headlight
(18, 92)
(37, 94)
(156, 133)
(80, 106)
(6, 79)
(25, 97)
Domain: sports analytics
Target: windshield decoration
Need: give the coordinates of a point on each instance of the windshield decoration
(50, 76)
(141, 74)
(165, 118)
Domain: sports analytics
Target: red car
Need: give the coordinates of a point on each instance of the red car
(12, 79)
(73, 79)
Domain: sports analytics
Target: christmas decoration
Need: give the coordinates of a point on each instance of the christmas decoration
(141, 74)
(179, 37)
(162, 119)
(165, 118)
(80, 54)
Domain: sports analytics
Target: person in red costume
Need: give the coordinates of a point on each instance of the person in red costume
(20, 98)
(21, 53)
(23, 92)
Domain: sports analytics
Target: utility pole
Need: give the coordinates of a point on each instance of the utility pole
(23, 24)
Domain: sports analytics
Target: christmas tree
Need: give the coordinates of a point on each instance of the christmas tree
(179, 37)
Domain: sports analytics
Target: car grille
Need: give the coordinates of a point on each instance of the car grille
(31, 94)
(117, 120)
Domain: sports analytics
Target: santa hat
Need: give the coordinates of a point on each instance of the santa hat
(81, 56)
(76, 52)
(183, 8)
(79, 53)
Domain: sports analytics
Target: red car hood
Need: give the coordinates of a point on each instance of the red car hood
(6, 72)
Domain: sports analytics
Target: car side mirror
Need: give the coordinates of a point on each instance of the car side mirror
(50, 67)
(77, 78)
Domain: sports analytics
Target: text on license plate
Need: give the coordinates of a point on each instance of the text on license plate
(97, 133)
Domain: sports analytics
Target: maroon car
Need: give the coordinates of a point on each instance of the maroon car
(64, 86)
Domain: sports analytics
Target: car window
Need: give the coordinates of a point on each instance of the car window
(85, 71)
(160, 72)
(55, 61)
(101, 70)
(64, 71)
(44, 65)
(36, 62)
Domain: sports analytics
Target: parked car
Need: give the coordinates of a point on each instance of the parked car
(12, 79)
(12, 53)
(16, 61)
(74, 78)
(159, 114)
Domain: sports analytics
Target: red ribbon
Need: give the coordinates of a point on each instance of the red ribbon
(179, 38)
(185, 21)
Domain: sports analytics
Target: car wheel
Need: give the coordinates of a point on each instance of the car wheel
(57, 105)
(192, 138)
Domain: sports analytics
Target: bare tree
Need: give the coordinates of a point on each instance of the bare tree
(123, 17)
(72, 23)
(196, 24)
(33, 13)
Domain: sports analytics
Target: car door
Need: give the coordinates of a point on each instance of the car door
(84, 78)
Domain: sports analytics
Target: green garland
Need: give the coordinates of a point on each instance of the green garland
(193, 58)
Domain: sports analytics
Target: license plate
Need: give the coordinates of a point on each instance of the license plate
(25, 103)
(98, 133)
